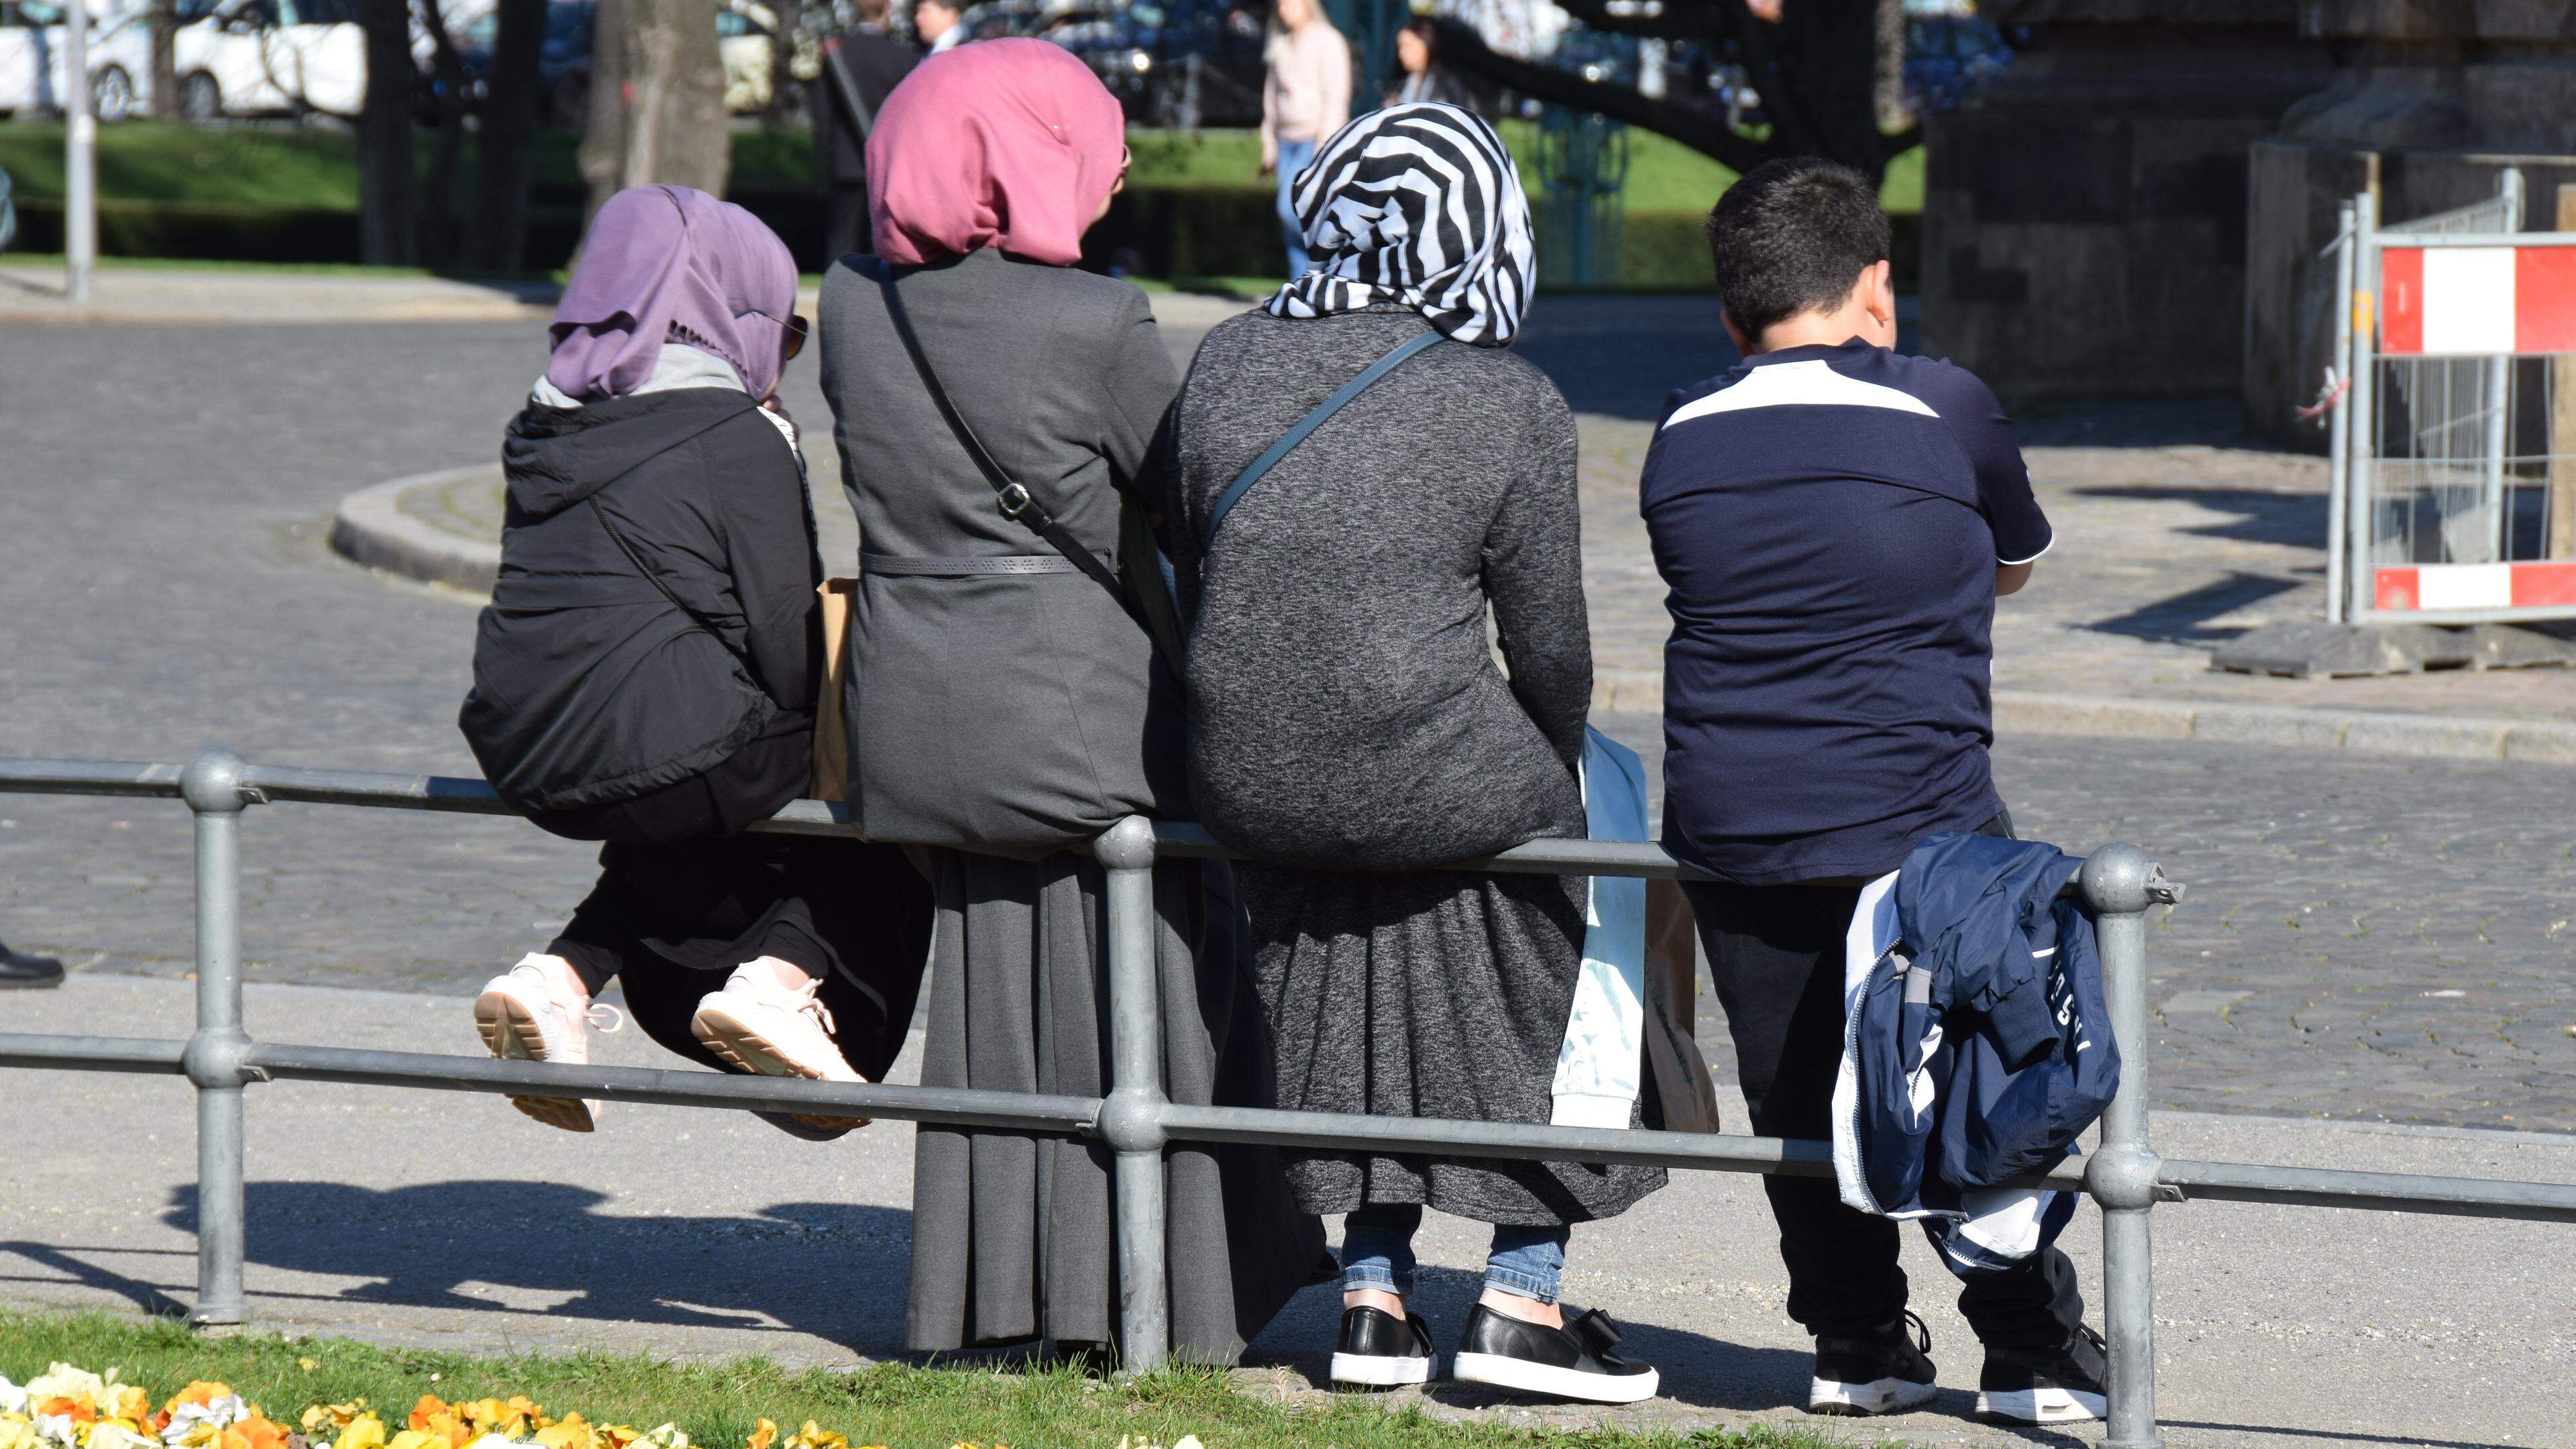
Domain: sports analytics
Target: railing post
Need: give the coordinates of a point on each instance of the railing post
(2119, 884)
(2361, 443)
(2339, 422)
(1131, 1116)
(213, 789)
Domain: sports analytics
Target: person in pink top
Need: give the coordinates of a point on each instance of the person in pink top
(1306, 97)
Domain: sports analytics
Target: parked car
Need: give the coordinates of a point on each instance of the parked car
(269, 57)
(1169, 62)
(32, 58)
(745, 31)
(1950, 57)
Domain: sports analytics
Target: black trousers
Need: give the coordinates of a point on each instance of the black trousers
(684, 896)
(1776, 954)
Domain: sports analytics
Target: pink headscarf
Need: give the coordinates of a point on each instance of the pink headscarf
(669, 264)
(1002, 143)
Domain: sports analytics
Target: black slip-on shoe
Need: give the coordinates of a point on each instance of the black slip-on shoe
(1885, 1371)
(1574, 1362)
(1382, 1351)
(19, 970)
(2061, 1385)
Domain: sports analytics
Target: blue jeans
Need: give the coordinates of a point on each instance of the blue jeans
(1293, 156)
(1377, 1252)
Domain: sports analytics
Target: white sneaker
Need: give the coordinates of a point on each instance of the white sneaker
(523, 1017)
(761, 1028)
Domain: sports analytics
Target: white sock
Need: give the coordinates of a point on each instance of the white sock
(562, 982)
(762, 975)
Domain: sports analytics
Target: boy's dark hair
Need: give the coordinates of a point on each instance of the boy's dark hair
(1792, 235)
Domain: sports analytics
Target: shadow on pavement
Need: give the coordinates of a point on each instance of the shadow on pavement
(68, 1262)
(832, 1270)
(2184, 618)
(2297, 520)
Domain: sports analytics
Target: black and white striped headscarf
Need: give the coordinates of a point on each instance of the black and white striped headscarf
(1418, 204)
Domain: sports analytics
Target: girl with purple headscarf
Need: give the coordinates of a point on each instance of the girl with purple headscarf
(646, 674)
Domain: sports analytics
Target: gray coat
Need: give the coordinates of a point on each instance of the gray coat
(1018, 716)
(1348, 723)
(1006, 714)
(1345, 710)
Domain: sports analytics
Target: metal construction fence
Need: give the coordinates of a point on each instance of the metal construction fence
(2453, 453)
(2125, 1177)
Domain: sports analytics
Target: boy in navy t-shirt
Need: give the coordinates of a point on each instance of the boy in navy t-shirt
(1835, 521)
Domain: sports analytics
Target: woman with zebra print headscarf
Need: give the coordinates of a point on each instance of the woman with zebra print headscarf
(1348, 725)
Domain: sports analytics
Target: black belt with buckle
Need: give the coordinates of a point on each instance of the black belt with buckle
(969, 567)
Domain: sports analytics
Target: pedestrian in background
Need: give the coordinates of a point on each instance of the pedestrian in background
(1835, 521)
(935, 27)
(1349, 729)
(874, 60)
(1417, 63)
(1007, 705)
(646, 676)
(1305, 97)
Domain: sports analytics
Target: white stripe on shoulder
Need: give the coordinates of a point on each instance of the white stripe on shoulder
(1791, 384)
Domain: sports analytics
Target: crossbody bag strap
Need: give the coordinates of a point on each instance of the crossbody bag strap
(1018, 504)
(1324, 410)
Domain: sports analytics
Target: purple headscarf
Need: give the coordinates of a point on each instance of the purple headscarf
(668, 264)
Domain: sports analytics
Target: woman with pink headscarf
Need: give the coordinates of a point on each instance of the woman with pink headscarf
(645, 677)
(1011, 698)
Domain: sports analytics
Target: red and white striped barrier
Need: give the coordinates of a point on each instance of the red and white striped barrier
(2431, 588)
(2476, 301)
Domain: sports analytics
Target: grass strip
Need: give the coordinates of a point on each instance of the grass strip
(301, 167)
(718, 1404)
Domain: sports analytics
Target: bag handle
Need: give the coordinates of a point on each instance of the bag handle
(1324, 410)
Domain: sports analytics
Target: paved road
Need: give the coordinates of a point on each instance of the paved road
(167, 587)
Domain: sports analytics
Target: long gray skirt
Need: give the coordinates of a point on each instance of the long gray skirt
(1012, 1234)
(1427, 994)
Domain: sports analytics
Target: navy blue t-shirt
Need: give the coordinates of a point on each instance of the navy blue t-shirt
(1828, 520)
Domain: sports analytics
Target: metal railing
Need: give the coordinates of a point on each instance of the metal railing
(2124, 1176)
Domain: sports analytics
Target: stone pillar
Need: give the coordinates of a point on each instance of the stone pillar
(2084, 219)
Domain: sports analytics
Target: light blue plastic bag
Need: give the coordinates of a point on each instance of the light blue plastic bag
(1600, 1066)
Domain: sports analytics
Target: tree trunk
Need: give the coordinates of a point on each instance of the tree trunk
(386, 184)
(657, 112)
(165, 59)
(1894, 113)
(1816, 71)
(1826, 70)
(437, 247)
(497, 240)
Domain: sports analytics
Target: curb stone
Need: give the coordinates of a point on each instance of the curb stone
(2033, 712)
(371, 528)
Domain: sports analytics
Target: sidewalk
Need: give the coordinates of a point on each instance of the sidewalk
(449, 1220)
(255, 295)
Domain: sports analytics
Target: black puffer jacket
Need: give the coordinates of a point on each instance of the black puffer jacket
(656, 607)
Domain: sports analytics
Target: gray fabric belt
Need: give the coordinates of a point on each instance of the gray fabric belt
(1004, 563)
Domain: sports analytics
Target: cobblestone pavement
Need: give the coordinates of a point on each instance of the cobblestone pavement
(167, 587)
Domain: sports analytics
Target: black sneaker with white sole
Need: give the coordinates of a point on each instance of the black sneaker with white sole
(1886, 1371)
(2062, 1385)
(1382, 1351)
(1577, 1361)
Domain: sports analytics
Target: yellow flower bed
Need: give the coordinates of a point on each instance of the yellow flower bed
(72, 1408)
